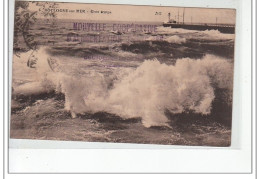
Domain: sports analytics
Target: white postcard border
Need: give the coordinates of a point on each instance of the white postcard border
(238, 155)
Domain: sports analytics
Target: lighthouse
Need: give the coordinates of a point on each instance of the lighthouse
(170, 20)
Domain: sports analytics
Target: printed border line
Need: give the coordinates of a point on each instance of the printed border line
(107, 3)
(255, 80)
(8, 101)
(4, 50)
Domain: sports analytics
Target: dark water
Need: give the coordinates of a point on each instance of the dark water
(172, 86)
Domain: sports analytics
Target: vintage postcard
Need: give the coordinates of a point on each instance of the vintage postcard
(122, 73)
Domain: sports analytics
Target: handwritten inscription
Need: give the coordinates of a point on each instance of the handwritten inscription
(72, 37)
(115, 27)
(89, 26)
(97, 57)
(134, 27)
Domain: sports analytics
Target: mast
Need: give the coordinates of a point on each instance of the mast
(183, 15)
(178, 16)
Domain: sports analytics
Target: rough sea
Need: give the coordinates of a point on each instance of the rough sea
(172, 86)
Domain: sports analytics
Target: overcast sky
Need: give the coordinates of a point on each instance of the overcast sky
(144, 13)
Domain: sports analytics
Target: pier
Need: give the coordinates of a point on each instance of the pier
(223, 28)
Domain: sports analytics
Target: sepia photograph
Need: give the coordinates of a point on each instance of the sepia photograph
(122, 73)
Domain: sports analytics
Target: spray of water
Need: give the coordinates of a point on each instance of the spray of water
(145, 92)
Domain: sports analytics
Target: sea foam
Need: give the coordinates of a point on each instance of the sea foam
(146, 92)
